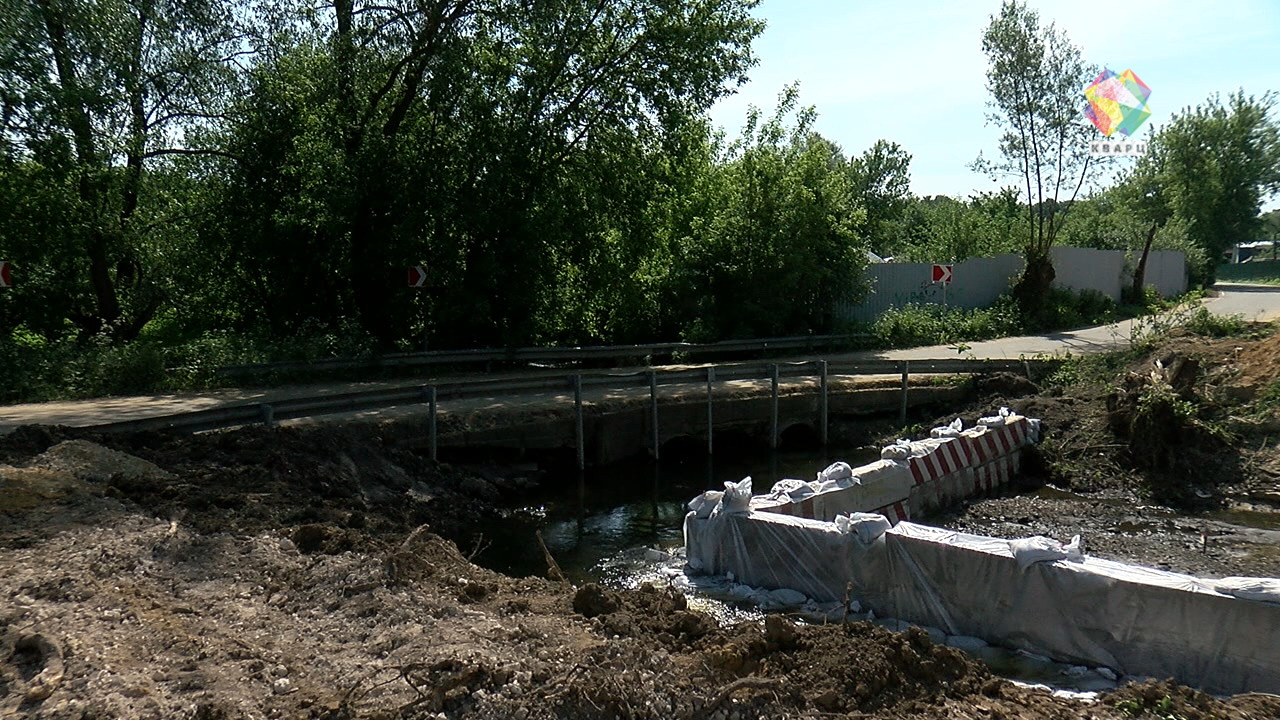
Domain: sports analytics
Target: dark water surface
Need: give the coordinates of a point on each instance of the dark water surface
(592, 519)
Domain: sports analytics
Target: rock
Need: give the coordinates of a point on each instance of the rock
(282, 686)
(779, 632)
(592, 600)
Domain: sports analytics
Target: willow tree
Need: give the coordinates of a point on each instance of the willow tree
(482, 137)
(97, 94)
(1037, 77)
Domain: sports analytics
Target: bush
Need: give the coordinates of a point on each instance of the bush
(937, 325)
(1202, 322)
(1066, 310)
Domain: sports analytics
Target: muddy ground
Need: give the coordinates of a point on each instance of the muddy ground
(1195, 492)
(313, 573)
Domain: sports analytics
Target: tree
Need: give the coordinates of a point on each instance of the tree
(881, 180)
(492, 139)
(96, 94)
(1036, 78)
(945, 229)
(780, 244)
(1211, 167)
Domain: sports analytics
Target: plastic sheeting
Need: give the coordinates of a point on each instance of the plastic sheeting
(1136, 620)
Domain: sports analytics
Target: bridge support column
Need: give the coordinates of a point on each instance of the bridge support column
(577, 421)
(902, 409)
(822, 386)
(429, 395)
(773, 424)
(653, 412)
(711, 424)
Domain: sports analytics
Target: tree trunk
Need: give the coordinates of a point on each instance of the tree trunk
(1033, 287)
(1140, 273)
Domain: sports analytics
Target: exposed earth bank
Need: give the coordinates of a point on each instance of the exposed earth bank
(313, 572)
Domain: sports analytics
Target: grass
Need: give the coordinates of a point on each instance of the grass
(916, 325)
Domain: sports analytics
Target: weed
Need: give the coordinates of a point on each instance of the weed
(1202, 322)
(1160, 709)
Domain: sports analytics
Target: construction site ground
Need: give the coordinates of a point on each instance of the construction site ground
(315, 572)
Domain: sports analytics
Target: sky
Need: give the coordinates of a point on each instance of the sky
(913, 71)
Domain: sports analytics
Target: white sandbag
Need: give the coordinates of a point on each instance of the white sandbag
(867, 526)
(655, 556)
(736, 498)
(1033, 430)
(1074, 549)
(802, 491)
(966, 643)
(1250, 588)
(900, 450)
(786, 597)
(702, 505)
(948, 431)
(1029, 551)
(838, 470)
(785, 487)
(828, 486)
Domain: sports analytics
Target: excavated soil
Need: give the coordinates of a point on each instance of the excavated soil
(1166, 458)
(316, 573)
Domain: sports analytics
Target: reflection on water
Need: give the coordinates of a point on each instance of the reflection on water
(590, 517)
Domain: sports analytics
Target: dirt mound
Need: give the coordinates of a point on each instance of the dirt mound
(1165, 699)
(1258, 365)
(93, 463)
(336, 487)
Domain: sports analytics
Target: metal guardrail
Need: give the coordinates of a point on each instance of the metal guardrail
(270, 412)
(540, 354)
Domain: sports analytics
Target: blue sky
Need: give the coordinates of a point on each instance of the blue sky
(913, 71)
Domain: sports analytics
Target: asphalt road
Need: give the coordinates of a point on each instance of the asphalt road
(1253, 302)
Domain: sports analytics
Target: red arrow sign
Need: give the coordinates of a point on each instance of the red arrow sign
(5, 280)
(417, 276)
(942, 274)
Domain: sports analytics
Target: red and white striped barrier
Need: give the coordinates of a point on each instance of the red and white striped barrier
(896, 513)
(938, 473)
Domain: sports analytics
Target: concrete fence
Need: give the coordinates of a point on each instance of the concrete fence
(978, 282)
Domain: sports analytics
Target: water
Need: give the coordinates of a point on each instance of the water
(591, 520)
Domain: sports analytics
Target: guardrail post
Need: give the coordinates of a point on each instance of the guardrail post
(773, 425)
(268, 414)
(577, 421)
(653, 411)
(822, 384)
(711, 425)
(429, 394)
(902, 410)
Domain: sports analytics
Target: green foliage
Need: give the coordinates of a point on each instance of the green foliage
(775, 244)
(881, 182)
(1202, 322)
(1210, 167)
(1035, 76)
(1066, 310)
(943, 229)
(1141, 708)
(915, 325)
